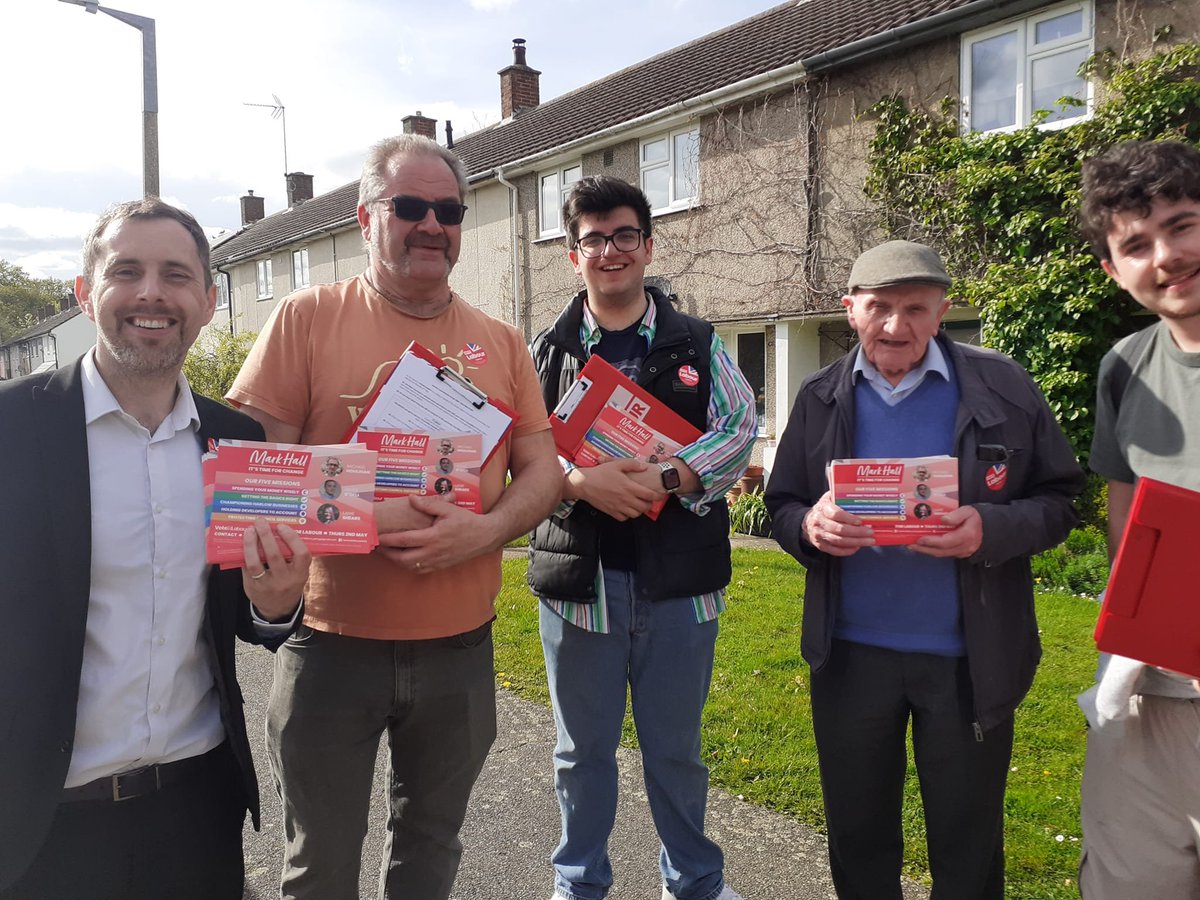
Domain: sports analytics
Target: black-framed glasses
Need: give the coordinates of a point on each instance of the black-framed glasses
(414, 209)
(624, 239)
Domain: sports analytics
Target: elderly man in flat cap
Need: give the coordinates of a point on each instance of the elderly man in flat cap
(942, 631)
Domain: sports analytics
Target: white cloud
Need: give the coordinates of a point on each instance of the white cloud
(46, 222)
(347, 73)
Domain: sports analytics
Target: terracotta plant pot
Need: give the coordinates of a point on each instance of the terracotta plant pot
(752, 480)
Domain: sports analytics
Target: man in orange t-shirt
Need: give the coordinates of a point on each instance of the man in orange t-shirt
(398, 640)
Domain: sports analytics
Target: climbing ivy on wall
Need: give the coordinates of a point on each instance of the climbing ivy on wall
(1002, 210)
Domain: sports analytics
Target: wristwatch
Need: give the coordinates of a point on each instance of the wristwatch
(670, 477)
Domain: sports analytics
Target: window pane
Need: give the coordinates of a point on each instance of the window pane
(687, 165)
(1064, 26)
(264, 278)
(549, 203)
(300, 267)
(656, 185)
(571, 175)
(1054, 77)
(654, 151)
(752, 360)
(994, 82)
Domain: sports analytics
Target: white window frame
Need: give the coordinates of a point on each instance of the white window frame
(264, 279)
(1028, 54)
(222, 282)
(301, 277)
(550, 220)
(677, 195)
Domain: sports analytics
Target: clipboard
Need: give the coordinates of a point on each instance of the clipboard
(421, 395)
(1151, 610)
(604, 414)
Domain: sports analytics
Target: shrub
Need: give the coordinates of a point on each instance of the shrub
(1078, 565)
(214, 361)
(748, 515)
(1001, 208)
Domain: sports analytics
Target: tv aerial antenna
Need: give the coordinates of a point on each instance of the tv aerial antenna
(277, 112)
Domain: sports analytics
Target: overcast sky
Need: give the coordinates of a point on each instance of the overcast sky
(347, 72)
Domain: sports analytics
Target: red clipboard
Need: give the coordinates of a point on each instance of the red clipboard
(1151, 610)
(605, 414)
(452, 380)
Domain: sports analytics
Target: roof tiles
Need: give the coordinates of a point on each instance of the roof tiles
(771, 40)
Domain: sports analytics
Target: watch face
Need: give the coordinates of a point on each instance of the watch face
(670, 478)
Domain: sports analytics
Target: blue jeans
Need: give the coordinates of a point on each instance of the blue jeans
(332, 699)
(666, 658)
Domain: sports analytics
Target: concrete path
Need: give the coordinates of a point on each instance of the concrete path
(513, 823)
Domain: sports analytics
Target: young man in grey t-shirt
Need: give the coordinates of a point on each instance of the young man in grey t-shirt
(1141, 781)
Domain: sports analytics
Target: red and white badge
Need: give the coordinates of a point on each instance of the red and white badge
(996, 477)
(689, 376)
(475, 354)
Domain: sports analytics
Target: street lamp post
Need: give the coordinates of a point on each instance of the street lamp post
(149, 89)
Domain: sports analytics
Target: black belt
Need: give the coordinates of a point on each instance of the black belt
(140, 782)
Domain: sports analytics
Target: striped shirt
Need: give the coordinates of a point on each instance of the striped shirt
(718, 457)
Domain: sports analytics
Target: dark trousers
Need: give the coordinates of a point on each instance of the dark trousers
(332, 699)
(183, 842)
(862, 700)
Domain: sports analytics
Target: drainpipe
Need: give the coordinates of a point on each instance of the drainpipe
(518, 306)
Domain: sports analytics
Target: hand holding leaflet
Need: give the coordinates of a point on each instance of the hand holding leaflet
(605, 415)
(324, 493)
(900, 499)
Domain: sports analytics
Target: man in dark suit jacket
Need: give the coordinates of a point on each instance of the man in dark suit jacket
(124, 765)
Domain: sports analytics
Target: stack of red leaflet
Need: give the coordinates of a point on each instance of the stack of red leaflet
(1151, 610)
(325, 493)
(901, 499)
(604, 414)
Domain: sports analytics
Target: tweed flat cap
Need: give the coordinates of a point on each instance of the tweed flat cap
(898, 262)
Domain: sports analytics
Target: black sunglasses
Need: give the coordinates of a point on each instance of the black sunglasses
(414, 209)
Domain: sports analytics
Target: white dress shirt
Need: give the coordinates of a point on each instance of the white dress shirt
(147, 692)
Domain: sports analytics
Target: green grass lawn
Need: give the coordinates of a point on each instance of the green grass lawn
(758, 734)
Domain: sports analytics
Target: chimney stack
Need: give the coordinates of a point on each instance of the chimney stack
(519, 90)
(252, 209)
(449, 135)
(299, 188)
(419, 124)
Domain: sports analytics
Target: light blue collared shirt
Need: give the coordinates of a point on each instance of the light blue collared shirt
(934, 361)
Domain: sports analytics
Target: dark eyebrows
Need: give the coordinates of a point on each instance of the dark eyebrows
(1178, 218)
(1181, 216)
(170, 265)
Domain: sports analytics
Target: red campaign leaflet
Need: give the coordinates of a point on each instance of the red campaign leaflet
(421, 395)
(620, 430)
(325, 493)
(605, 414)
(427, 464)
(901, 499)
